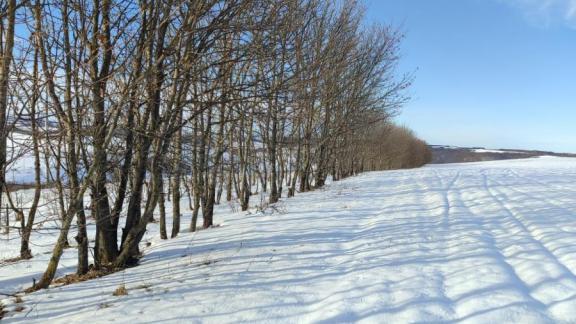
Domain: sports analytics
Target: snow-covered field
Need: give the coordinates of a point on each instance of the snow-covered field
(490, 242)
(496, 151)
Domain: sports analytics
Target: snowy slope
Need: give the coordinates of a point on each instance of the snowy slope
(478, 242)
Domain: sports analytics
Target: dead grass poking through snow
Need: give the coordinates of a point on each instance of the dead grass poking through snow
(120, 291)
(74, 278)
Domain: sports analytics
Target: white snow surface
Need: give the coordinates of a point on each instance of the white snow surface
(487, 242)
(496, 151)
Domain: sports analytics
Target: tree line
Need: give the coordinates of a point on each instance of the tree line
(133, 103)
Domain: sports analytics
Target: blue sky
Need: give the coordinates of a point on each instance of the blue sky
(491, 73)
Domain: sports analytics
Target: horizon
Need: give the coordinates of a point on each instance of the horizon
(498, 148)
(495, 74)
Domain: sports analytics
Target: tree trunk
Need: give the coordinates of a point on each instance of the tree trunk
(176, 179)
(5, 64)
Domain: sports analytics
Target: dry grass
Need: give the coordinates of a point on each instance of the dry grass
(74, 278)
(120, 291)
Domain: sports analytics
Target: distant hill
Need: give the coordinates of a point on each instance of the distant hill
(454, 154)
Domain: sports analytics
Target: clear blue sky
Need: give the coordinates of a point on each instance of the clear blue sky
(491, 73)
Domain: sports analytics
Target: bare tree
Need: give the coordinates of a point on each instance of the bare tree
(223, 98)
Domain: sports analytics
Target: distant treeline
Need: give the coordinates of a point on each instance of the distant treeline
(390, 147)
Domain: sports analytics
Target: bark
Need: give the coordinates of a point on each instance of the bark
(162, 208)
(176, 178)
(5, 65)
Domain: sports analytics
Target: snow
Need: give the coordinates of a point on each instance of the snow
(487, 151)
(20, 168)
(476, 243)
(496, 151)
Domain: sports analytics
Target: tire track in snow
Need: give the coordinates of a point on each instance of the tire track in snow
(565, 214)
(549, 188)
(468, 242)
(446, 192)
(438, 272)
(555, 187)
(542, 272)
